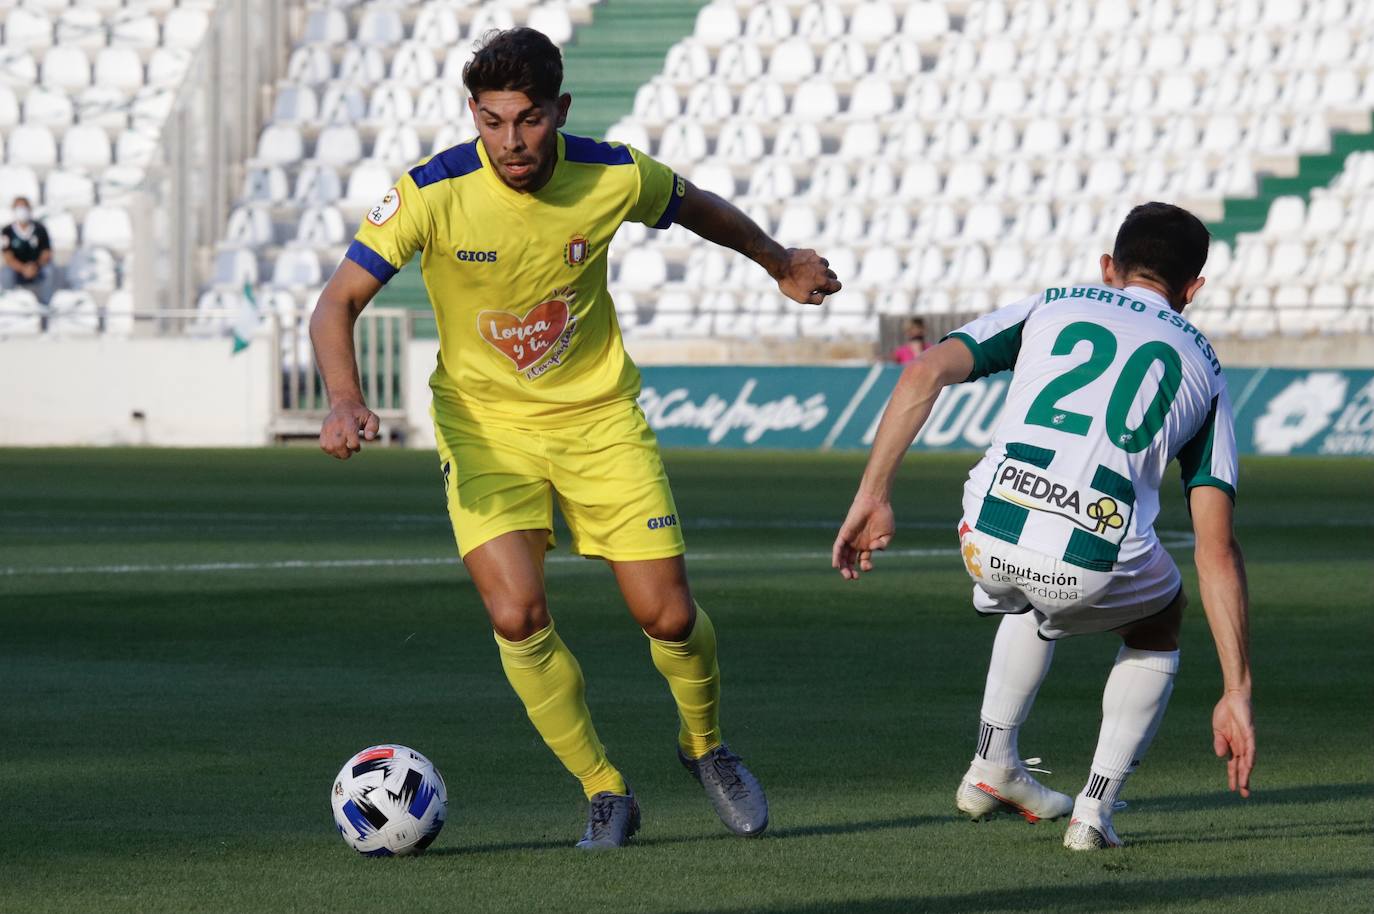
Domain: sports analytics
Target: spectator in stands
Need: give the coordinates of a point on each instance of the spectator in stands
(28, 254)
(915, 342)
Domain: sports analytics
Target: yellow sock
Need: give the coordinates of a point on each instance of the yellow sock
(545, 675)
(694, 679)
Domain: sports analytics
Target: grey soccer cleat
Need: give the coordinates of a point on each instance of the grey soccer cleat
(1090, 829)
(733, 790)
(612, 820)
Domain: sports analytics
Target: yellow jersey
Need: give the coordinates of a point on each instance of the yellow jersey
(528, 334)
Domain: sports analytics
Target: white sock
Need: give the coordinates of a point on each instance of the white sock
(1133, 705)
(1020, 660)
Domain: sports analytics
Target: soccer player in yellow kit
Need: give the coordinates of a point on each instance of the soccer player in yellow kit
(534, 396)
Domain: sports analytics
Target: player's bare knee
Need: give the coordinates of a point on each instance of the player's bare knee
(516, 617)
(670, 618)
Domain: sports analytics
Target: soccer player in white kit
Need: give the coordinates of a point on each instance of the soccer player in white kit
(1110, 383)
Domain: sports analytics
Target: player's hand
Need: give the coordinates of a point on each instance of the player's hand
(346, 427)
(867, 529)
(1233, 738)
(806, 276)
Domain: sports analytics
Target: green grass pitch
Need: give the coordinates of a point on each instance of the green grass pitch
(193, 642)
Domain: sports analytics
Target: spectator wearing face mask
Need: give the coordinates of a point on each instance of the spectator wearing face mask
(28, 254)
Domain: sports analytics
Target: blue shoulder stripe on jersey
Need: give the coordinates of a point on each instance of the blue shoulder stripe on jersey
(674, 204)
(453, 162)
(370, 261)
(590, 152)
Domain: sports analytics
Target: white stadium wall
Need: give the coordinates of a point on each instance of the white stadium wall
(189, 393)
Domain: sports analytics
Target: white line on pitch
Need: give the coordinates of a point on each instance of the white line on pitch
(298, 564)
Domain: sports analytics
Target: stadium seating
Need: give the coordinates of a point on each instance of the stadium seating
(968, 153)
(370, 89)
(85, 89)
(947, 155)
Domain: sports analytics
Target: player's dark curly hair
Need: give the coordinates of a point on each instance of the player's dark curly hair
(1163, 242)
(516, 60)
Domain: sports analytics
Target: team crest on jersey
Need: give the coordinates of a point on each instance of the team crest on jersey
(381, 214)
(1038, 489)
(539, 340)
(575, 251)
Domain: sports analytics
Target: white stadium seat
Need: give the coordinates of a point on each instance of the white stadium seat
(85, 147)
(249, 226)
(73, 313)
(280, 144)
(368, 182)
(739, 63)
(167, 67)
(66, 68)
(362, 65)
(414, 63)
(81, 27)
(65, 189)
(326, 26)
(134, 28)
(716, 24)
(31, 144)
(107, 227)
(92, 268)
(310, 63)
(297, 268)
(321, 226)
(437, 25)
(27, 29)
(48, 107)
(119, 68)
(381, 25)
(264, 184)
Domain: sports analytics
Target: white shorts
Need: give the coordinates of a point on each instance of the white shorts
(1068, 600)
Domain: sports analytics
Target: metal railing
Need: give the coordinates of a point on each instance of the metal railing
(180, 209)
(381, 340)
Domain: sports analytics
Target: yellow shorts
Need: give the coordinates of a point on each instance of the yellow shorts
(607, 474)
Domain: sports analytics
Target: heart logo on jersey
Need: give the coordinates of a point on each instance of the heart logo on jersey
(526, 340)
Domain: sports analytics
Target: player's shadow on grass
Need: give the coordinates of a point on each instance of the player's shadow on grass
(1220, 799)
(1089, 898)
(773, 834)
(1263, 831)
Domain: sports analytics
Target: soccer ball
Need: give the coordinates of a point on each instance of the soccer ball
(389, 801)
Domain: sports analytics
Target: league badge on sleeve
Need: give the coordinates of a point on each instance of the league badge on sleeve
(381, 214)
(575, 252)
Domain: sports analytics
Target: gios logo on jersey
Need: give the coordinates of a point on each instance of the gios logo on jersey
(475, 256)
(1040, 490)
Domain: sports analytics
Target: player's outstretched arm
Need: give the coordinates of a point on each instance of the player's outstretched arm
(802, 274)
(349, 422)
(870, 524)
(1221, 579)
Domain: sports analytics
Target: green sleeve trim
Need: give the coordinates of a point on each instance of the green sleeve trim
(1212, 481)
(1195, 458)
(997, 353)
(973, 349)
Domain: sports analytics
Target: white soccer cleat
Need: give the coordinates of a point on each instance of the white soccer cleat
(988, 789)
(1090, 829)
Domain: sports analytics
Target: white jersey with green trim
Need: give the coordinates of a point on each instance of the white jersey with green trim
(1108, 386)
